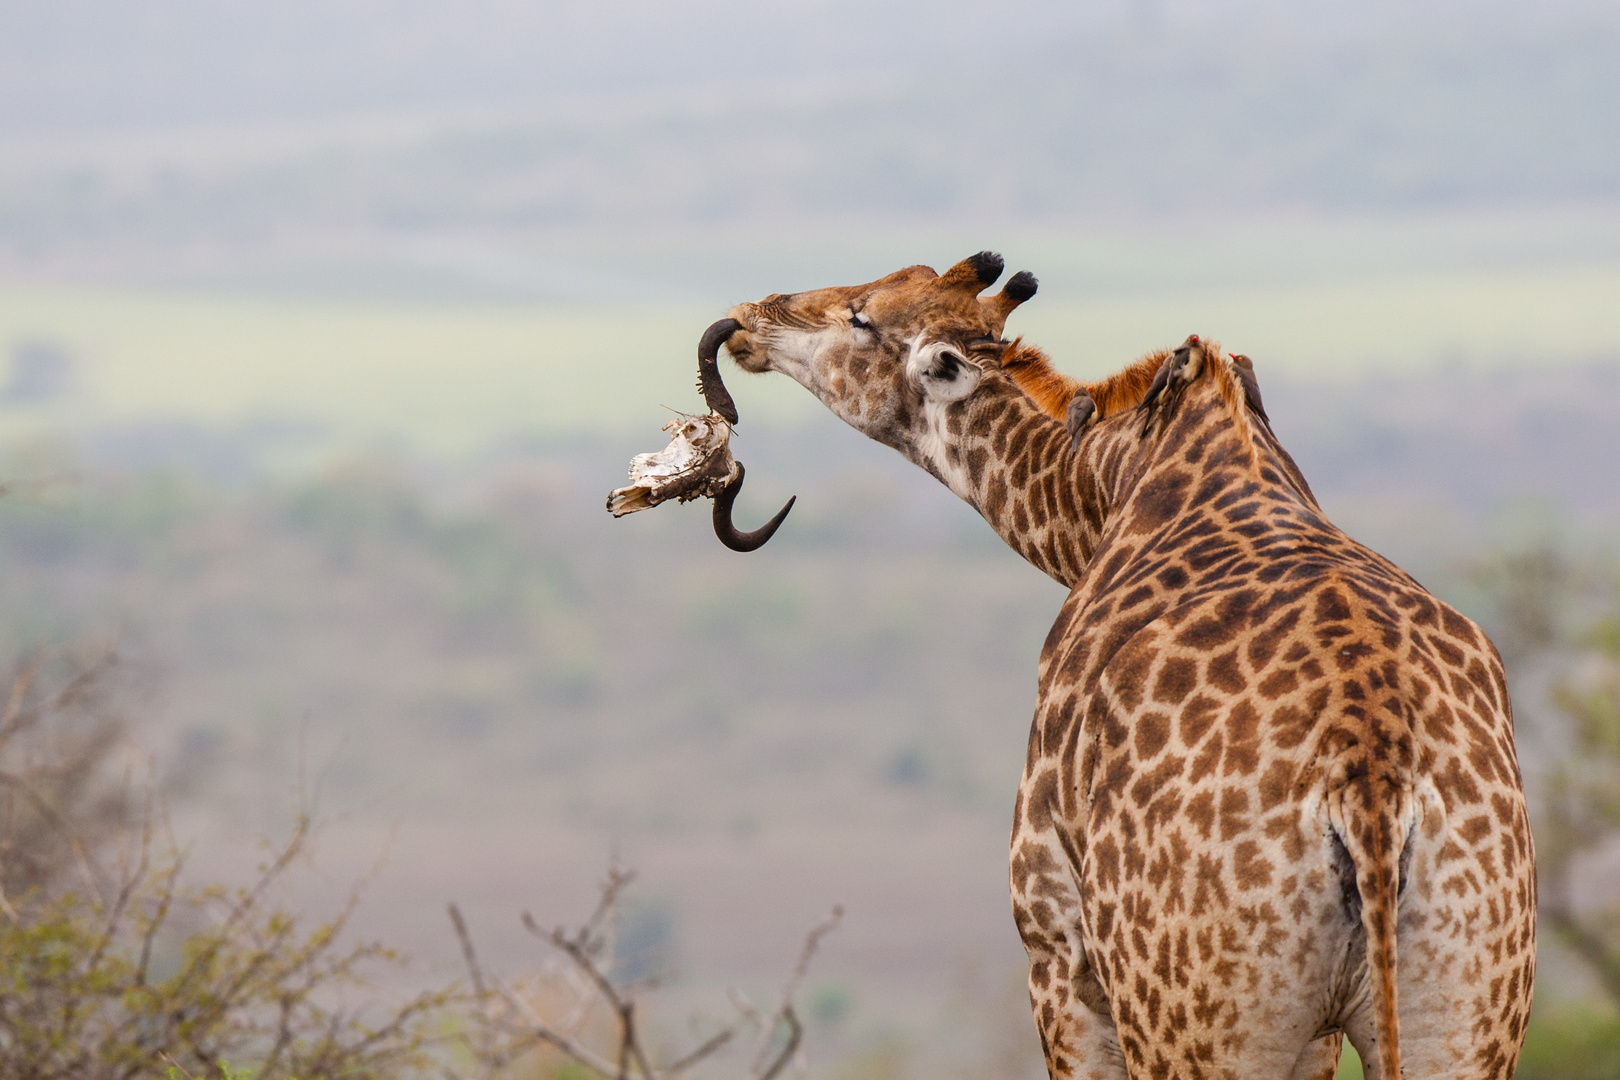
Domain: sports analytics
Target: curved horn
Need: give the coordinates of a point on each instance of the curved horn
(1020, 287)
(714, 391)
(727, 532)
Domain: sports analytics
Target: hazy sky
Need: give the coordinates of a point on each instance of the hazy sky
(79, 63)
(142, 134)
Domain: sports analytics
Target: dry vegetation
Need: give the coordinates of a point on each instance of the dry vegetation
(116, 968)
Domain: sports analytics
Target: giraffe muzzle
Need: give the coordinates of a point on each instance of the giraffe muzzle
(719, 399)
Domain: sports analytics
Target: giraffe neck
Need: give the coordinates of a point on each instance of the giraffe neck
(1017, 467)
(1051, 502)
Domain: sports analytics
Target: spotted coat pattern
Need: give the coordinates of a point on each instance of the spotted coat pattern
(1271, 796)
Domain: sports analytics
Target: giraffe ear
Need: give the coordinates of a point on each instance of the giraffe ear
(941, 372)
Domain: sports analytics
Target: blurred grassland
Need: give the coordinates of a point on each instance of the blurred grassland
(454, 377)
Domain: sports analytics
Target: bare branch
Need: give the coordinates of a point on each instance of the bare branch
(709, 1046)
(467, 952)
(789, 1048)
(575, 950)
(19, 693)
(541, 1030)
(584, 949)
(785, 1012)
(167, 890)
(132, 880)
(627, 1039)
(812, 941)
(48, 814)
(579, 949)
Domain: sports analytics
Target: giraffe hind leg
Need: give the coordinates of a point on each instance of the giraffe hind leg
(1079, 1043)
(1320, 1059)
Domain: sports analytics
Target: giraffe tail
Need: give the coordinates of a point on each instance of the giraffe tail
(1372, 821)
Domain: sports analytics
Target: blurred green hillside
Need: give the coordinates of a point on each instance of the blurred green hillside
(1321, 299)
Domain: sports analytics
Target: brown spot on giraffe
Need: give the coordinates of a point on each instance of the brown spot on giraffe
(1267, 771)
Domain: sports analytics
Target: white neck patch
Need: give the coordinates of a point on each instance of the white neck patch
(945, 377)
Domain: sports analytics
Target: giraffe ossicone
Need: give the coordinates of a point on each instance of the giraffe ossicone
(1270, 797)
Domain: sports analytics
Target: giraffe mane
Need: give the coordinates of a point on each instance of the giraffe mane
(1031, 370)
(1127, 388)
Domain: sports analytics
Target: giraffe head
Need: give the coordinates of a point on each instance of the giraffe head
(880, 354)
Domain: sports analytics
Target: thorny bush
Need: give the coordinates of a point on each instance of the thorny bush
(113, 968)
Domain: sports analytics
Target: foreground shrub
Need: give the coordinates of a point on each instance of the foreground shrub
(112, 968)
(162, 977)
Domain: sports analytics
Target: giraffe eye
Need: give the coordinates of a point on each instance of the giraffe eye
(858, 318)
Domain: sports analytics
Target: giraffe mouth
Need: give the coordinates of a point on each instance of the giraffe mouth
(719, 400)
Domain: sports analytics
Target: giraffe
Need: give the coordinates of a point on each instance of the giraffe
(1270, 797)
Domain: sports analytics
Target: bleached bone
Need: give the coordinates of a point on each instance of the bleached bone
(696, 464)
